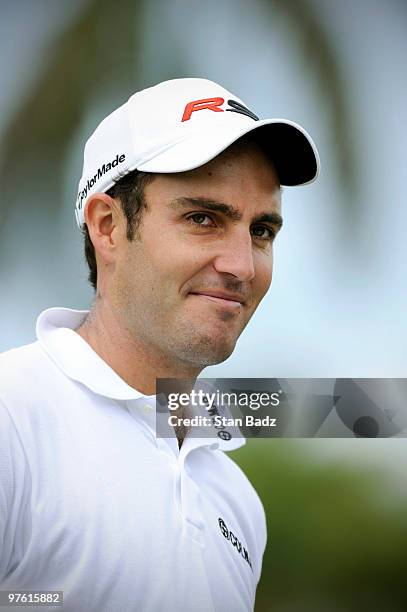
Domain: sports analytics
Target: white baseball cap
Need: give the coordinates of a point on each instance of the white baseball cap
(182, 124)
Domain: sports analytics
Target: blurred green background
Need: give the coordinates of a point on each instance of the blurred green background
(337, 528)
(336, 509)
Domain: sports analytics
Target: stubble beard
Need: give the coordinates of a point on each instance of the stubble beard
(201, 350)
(183, 341)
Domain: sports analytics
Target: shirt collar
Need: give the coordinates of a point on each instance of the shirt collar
(56, 334)
(75, 357)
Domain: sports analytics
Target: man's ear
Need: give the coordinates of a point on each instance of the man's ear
(105, 224)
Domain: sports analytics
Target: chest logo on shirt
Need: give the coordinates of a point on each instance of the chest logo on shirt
(229, 535)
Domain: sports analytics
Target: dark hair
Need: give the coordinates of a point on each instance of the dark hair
(130, 191)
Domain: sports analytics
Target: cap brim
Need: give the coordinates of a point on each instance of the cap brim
(289, 146)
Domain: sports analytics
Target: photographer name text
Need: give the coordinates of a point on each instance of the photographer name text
(220, 421)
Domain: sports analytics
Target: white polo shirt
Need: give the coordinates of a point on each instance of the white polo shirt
(94, 504)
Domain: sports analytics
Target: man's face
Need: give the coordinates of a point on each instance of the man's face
(188, 285)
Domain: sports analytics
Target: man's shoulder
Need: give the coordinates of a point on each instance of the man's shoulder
(23, 352)
(23, 370)
(20, 361)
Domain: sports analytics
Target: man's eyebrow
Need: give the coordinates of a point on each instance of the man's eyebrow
(273, 218)
(225, 209)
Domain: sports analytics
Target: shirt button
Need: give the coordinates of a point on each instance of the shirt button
(147, 409)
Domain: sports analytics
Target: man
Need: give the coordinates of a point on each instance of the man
(179, 203)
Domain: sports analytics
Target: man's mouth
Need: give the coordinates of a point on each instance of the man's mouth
(222, 298)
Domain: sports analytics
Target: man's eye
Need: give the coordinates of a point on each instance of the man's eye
(200, 219)
(263, 232)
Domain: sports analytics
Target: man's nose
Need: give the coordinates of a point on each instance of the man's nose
(235, 256)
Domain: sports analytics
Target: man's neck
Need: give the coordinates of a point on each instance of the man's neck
(138, 364)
